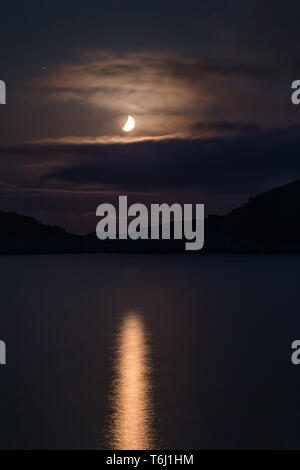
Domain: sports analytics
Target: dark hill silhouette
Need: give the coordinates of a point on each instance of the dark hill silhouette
(22, 234)
(20, 227)
(269, 222)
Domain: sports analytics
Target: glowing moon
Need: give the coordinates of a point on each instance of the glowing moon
(130, 124)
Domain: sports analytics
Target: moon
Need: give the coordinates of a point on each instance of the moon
(129, 125)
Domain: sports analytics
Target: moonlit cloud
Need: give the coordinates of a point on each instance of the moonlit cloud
(170, 97)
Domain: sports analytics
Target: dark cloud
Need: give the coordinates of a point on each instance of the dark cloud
(65, 183)
(221, 165)
(225, 164)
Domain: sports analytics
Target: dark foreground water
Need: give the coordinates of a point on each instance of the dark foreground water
(133, 351)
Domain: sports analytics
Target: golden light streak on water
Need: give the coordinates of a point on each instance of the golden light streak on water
(131, 424)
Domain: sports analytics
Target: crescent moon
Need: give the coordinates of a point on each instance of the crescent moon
(129, 125)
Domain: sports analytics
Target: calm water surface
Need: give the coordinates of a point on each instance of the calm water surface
(134, 351)
(131, 419)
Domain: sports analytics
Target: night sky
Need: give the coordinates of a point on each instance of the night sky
(208, 83)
